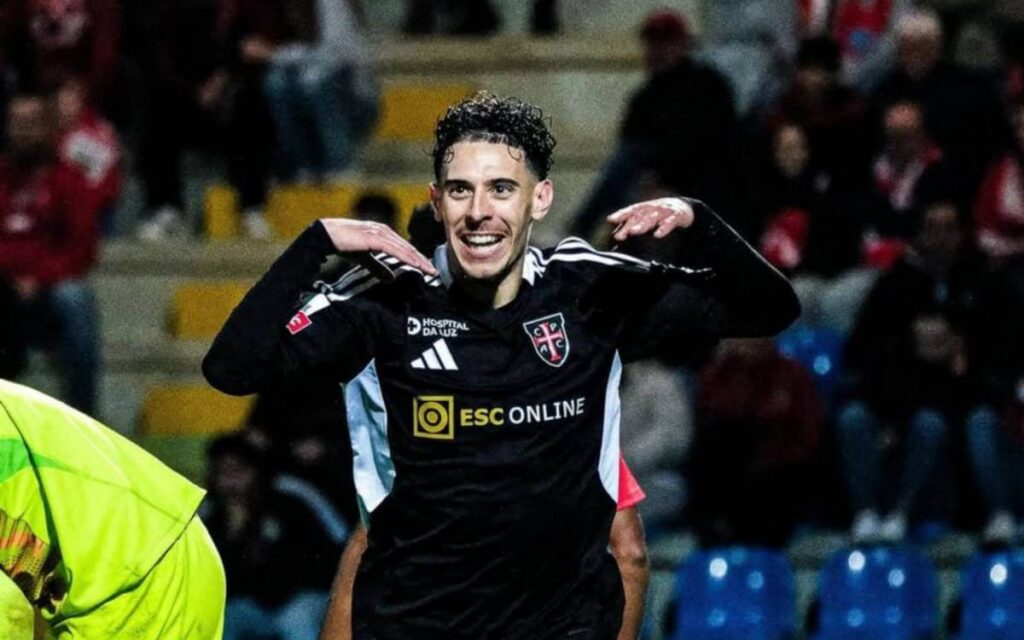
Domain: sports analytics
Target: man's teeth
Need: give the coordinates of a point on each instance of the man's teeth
(482, 240)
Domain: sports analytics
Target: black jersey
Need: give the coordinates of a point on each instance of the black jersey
(486, 441)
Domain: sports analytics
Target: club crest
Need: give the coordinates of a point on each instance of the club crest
(550, 338)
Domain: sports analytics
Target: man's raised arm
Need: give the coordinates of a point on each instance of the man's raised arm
(722, 287)
(265, 339)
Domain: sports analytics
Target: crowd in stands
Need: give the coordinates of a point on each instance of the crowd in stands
(881, 173)
(872, 150)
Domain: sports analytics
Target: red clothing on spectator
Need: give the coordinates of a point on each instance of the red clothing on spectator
(93, 148)
(772, 396)
(904, 190)
(999, 209)
(48, 230)
(53, 41)
(785, 238)
(859, 24)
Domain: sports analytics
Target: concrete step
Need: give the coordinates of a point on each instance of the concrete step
(199, 309)
(191, 409)
(121, 392)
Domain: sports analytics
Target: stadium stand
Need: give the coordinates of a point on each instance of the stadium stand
(735, 593)
(992, 596)
(877, 593)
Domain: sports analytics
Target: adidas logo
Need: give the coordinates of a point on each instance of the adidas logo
(437, 358)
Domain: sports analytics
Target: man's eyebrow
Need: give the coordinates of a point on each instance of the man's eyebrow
(455, 182)
(503, 181)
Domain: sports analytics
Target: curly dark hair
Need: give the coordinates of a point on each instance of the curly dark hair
(486, 117)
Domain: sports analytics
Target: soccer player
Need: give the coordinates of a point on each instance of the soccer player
(482, 386)
(96, 534)
(627, 543)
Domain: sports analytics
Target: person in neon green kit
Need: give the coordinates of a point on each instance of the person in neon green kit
(98, 535)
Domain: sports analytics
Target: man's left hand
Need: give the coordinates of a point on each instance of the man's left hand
(660, 216)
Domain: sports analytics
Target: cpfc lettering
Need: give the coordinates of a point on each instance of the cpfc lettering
(438, 417)
(550, 338)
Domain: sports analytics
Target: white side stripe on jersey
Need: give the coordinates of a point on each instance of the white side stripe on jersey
(352, 281)
(583, 257)
(573, 242)
(573, 250)
(352, 291)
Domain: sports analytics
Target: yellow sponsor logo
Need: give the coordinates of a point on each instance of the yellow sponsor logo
(494, 417)
(433, 417)
(436, 417)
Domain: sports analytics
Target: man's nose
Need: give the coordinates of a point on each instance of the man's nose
(481, 207)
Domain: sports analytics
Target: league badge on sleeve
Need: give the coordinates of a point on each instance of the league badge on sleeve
(549, 338)
(299, 322)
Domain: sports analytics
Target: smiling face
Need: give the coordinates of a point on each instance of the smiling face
(488, 199)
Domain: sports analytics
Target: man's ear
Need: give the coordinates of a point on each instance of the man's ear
(435, 199)
(543, 196)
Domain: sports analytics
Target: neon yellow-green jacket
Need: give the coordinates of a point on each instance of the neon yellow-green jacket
(84, 512)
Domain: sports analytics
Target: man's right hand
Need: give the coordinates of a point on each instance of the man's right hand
(357, 236)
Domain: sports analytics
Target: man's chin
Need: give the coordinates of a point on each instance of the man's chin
(482, 273)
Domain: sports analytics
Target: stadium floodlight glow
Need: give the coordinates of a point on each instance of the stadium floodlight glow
(855, 618)
(718, 568)
(857, 561)
(897, 578)
(755, 580)
(998, 574)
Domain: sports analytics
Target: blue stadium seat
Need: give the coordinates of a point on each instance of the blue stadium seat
(735, 594)
(818, 349)
(878, 594)
(992, 592)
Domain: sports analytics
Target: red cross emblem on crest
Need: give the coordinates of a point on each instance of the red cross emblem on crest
(549, 338)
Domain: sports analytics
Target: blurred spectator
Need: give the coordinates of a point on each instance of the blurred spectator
(451, 18)
(304, 425)
(833, 116)
(278, 557)
(657, 425)
(319, 82)
(48, 243)
(810, 232)
(544, 18)
(376, 206)
(201, 92)
(752, 43)
(753, 458)
(909, 171)
(866, 33)
(50, 42)
(174, 46)
(87, 142)
(794, 195)
(999, 208)
(680, 124)
(961, 111)
(424, 231)
(915, 365)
